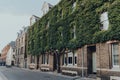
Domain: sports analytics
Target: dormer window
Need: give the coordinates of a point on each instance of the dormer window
(46, 7)
(104, 21)
(33, 19)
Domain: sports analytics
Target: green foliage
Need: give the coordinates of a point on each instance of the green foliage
(86, 18)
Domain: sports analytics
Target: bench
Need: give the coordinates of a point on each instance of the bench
(69, 72)
(32, 66)
(45, 69)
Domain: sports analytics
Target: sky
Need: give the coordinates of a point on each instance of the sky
(14, 14)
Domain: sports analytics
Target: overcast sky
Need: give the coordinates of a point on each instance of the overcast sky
(14, 14)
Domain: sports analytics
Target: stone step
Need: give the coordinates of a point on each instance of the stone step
(92, 76)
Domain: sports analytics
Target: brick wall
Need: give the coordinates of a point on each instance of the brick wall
(104, 60)
(50, 62)
(78, 68)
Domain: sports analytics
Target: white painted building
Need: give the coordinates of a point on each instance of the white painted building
(10, 57)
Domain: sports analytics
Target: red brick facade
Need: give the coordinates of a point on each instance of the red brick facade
(4, 52)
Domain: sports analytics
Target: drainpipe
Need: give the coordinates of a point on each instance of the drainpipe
(83, 62)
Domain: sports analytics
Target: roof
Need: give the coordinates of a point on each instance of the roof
(35, 16)
(49, 5)
(12, 44)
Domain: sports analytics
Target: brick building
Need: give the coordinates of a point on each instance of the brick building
(10, 57)
(86, 31)
(4, 53)
(21, 55)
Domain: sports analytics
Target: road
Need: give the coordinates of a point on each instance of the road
(14, 73)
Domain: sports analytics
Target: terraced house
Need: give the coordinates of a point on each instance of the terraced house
(79, 37)
(20, 53)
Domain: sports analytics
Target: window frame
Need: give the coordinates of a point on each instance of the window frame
(114, 54)
(65, 60)
(104, 21)
(70, 54)
(74, 6)
(75, 55)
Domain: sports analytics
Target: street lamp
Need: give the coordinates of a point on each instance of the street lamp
(57, 59)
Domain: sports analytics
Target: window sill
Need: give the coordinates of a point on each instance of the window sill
(44, 64)
(69, 66)
(116, 68)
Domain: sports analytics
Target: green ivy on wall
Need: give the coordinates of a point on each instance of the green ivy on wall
(86, 19)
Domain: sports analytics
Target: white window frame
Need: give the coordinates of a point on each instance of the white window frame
(117, 53)
(70, 54)
(65, 59)
(74, 6)
(75, 55)
(43, 58)
(104, 21)
(74, 30)
(46, 58)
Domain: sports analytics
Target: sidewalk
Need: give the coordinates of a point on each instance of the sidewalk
(79, 78)
(59, 74)
(52, 73)
(2, 77)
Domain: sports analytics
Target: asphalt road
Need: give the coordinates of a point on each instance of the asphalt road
(22, 74)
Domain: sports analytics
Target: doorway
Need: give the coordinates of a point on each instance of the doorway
(56, 61)
(91, 59)
(38, 62)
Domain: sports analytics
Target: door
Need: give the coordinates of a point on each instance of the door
(91, 59)
(94, 62)
(55, 62)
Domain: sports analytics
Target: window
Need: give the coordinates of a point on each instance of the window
(74, 6)
(104, 21)
(70, 58)
(61, 34)
(22, 40)
(13, 50)
(45, 59)
(32, 59)
(48, 25)
(61, 14)
(65, 59)
(75, 58)
(115, 55)
(73, 32)
(22, 51)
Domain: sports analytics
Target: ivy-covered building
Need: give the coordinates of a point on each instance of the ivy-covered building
(79, 37)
